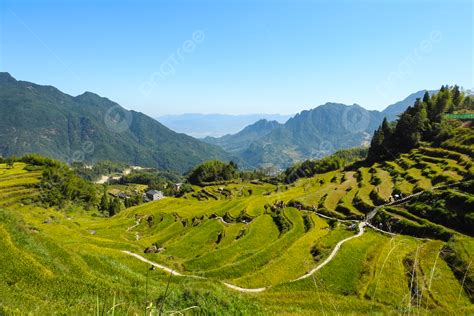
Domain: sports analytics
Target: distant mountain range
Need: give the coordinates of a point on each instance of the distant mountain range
(214, 125)
(310, 134)
(239, 142)
(42, 119)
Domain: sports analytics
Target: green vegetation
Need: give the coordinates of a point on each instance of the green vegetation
(338, 160)
(90, 128)
(212, 172)
(422, 122)
(60, 254)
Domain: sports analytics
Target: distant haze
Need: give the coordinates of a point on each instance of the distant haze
(215, 125)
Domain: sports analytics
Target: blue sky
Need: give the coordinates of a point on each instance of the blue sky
(171, 57)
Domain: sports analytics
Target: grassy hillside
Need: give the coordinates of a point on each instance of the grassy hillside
(254, 236)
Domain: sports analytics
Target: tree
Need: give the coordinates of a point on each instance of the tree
(10, 162)
(104, 201)
(115, 207)
(426, 97)
(468, 104)
(376, 150)
(457, 96)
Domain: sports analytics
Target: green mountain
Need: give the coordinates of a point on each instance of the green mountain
(42, 119)
(238, 142)
(313, 134)
(310, 134)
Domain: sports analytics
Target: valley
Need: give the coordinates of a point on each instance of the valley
(178, 158)
(302, 241)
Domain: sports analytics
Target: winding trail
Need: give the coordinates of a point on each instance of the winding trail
(380, 230)
(221, 220)
(176, 273)
(371, 214)
(241, 289)
(156, 265)
(254, 290)
(333, 253)
(137, 223)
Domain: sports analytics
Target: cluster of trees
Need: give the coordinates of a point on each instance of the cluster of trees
(32, 159)
(109, 206)
(424, 121)
(60, 186)
(112, 205)
(213, 171)
(309, 168)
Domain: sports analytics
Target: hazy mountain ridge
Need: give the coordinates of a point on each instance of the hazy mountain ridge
(312, 133)
(240, 141)
(215, 125)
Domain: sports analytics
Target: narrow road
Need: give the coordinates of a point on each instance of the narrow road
(336, 249)
(401, 201)
(333, 253)
(156, 265)
(176, 273)
(255, 290)
(241, 289)
(137, 223)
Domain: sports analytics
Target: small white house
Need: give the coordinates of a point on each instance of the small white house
(154, 195)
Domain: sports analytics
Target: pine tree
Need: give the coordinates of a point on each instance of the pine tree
(376, 146)
(104, 201)
(387, 130)
(426, 97)
(457, 97)
(115, 207)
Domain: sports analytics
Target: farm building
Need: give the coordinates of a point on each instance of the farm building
(154, 195)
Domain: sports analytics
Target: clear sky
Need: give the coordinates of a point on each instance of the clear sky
(263, 56)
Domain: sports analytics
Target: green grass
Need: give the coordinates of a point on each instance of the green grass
(63, 261)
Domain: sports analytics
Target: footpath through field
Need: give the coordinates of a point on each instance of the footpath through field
(336, 249)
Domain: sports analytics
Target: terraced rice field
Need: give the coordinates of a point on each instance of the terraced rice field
(247, 235)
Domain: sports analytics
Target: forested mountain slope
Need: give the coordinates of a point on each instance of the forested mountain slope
(42, 119)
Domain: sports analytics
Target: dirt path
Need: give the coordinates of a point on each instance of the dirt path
(333, 253)
(176, 273)
(221, 220)
(255, 290)
(137, 223)
(156, 265)
(241, 289)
